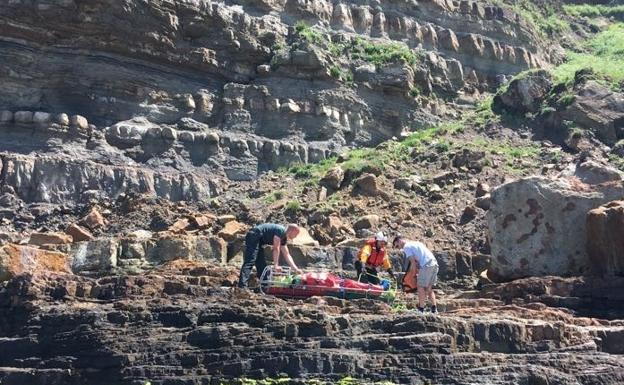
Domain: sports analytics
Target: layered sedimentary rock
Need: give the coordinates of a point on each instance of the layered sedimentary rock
(234, 88)
(177, 325)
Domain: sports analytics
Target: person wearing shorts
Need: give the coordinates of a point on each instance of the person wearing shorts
(420, 261)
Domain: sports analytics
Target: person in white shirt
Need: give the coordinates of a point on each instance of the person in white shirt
(420, 258)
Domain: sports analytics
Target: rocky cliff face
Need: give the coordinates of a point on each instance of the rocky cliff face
(139, 141)
(187, 89)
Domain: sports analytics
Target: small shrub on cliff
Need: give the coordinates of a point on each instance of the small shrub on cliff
(274, 196)
(293, 207)
(308, 33)
(566, 99)
(343, 75)
(383, 53)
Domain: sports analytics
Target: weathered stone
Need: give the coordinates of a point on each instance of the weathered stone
(482, 189)
(447, 265)
(468, 215)
(169, 133)
(370, 221)
(62, 119)
(41, 117)
(537, 225)
(6, 116)
(598, 108)
(219, 249)
(524, 94)
(223, 219)
(203, 221)
(484, 202)
(16, 260)
(79, 122)
(594, 173)
(94, 219)
(367, 184)
(179, 226)
(473, 160)
(333, 178)
(304, 238)
(78, 233)
(605, 239)
(39, 239)
(231, 230)
(97, 256)
(23, 117)
(169, 247)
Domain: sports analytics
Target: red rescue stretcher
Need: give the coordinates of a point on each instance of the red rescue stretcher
(285, 284)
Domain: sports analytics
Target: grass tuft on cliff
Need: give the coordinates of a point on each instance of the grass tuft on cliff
(382, 53)
(604, 54)
(309, 34)
(391, 151)
(543, 17)
(595, 10)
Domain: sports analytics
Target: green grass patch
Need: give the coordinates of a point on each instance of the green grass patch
(414, 91)
(309, 34)
(543, 17)
(341, 74)
(595, 10)
(274, 196)
(386, 153)
(512, 154)
(616, 161)
(292, 206)
(604, 54)
(382, 53)
(483, 113)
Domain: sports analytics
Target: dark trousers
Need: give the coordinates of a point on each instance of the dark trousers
(366, 274)
(252, 256)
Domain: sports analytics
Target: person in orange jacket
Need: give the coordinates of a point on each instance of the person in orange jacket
(372, 256)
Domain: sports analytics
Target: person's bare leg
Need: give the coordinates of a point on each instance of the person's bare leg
(422, 295)
(432, 296)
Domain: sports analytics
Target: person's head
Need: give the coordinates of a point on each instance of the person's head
(380, 239)
(292, 230)
(398, 242)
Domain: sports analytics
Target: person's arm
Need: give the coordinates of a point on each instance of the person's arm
(413, 265)
(289, 260)
(277, 243)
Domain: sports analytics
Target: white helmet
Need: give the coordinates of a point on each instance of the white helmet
(381, 237)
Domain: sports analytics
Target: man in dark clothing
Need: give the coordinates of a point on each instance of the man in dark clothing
(266, 234)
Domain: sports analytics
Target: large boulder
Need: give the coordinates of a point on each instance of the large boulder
(605, 239)
(524, 94)
(370, 221)
(597, 108)
(231, 230)
(367, 185)
(17, 259)
(169, 247)
(40, 239)
(333, 178)
(95, 257)
(304, 238)
(537, 225)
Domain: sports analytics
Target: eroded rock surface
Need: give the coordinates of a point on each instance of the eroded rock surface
(178, 325)
(537, 225)
(168, 92)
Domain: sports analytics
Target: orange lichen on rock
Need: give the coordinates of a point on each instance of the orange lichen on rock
(16, 260)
